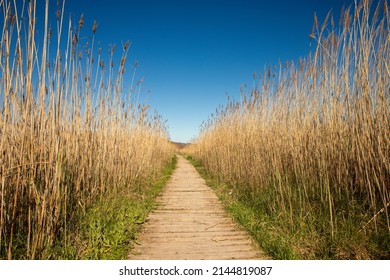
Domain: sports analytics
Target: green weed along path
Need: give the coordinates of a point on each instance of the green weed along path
(190, 223)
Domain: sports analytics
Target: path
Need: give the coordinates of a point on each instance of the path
(190, 223)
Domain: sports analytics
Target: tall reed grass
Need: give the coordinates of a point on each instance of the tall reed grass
(315, 133)
(72, 127)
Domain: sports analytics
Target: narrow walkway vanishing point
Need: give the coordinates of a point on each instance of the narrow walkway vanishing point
(191, 224)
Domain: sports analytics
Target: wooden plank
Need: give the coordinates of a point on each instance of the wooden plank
(190, 223)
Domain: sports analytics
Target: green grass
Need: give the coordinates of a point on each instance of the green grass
(108, 228)
(297, 233)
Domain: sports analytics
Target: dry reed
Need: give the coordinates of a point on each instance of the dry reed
(71, 130)
(318, 132)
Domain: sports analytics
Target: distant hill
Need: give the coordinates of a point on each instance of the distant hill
(180, 145)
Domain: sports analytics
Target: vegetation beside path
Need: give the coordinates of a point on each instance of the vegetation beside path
(109, 226)
(77, 140)
(273, 231)
(305, 154)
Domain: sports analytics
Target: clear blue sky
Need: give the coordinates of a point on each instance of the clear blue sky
(193, 52)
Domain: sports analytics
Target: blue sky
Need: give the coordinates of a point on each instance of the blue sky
(192, 53)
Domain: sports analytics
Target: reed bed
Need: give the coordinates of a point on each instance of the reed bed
(315, 136)
(73, 127)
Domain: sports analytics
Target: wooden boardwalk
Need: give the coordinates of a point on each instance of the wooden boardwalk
(190, 223)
